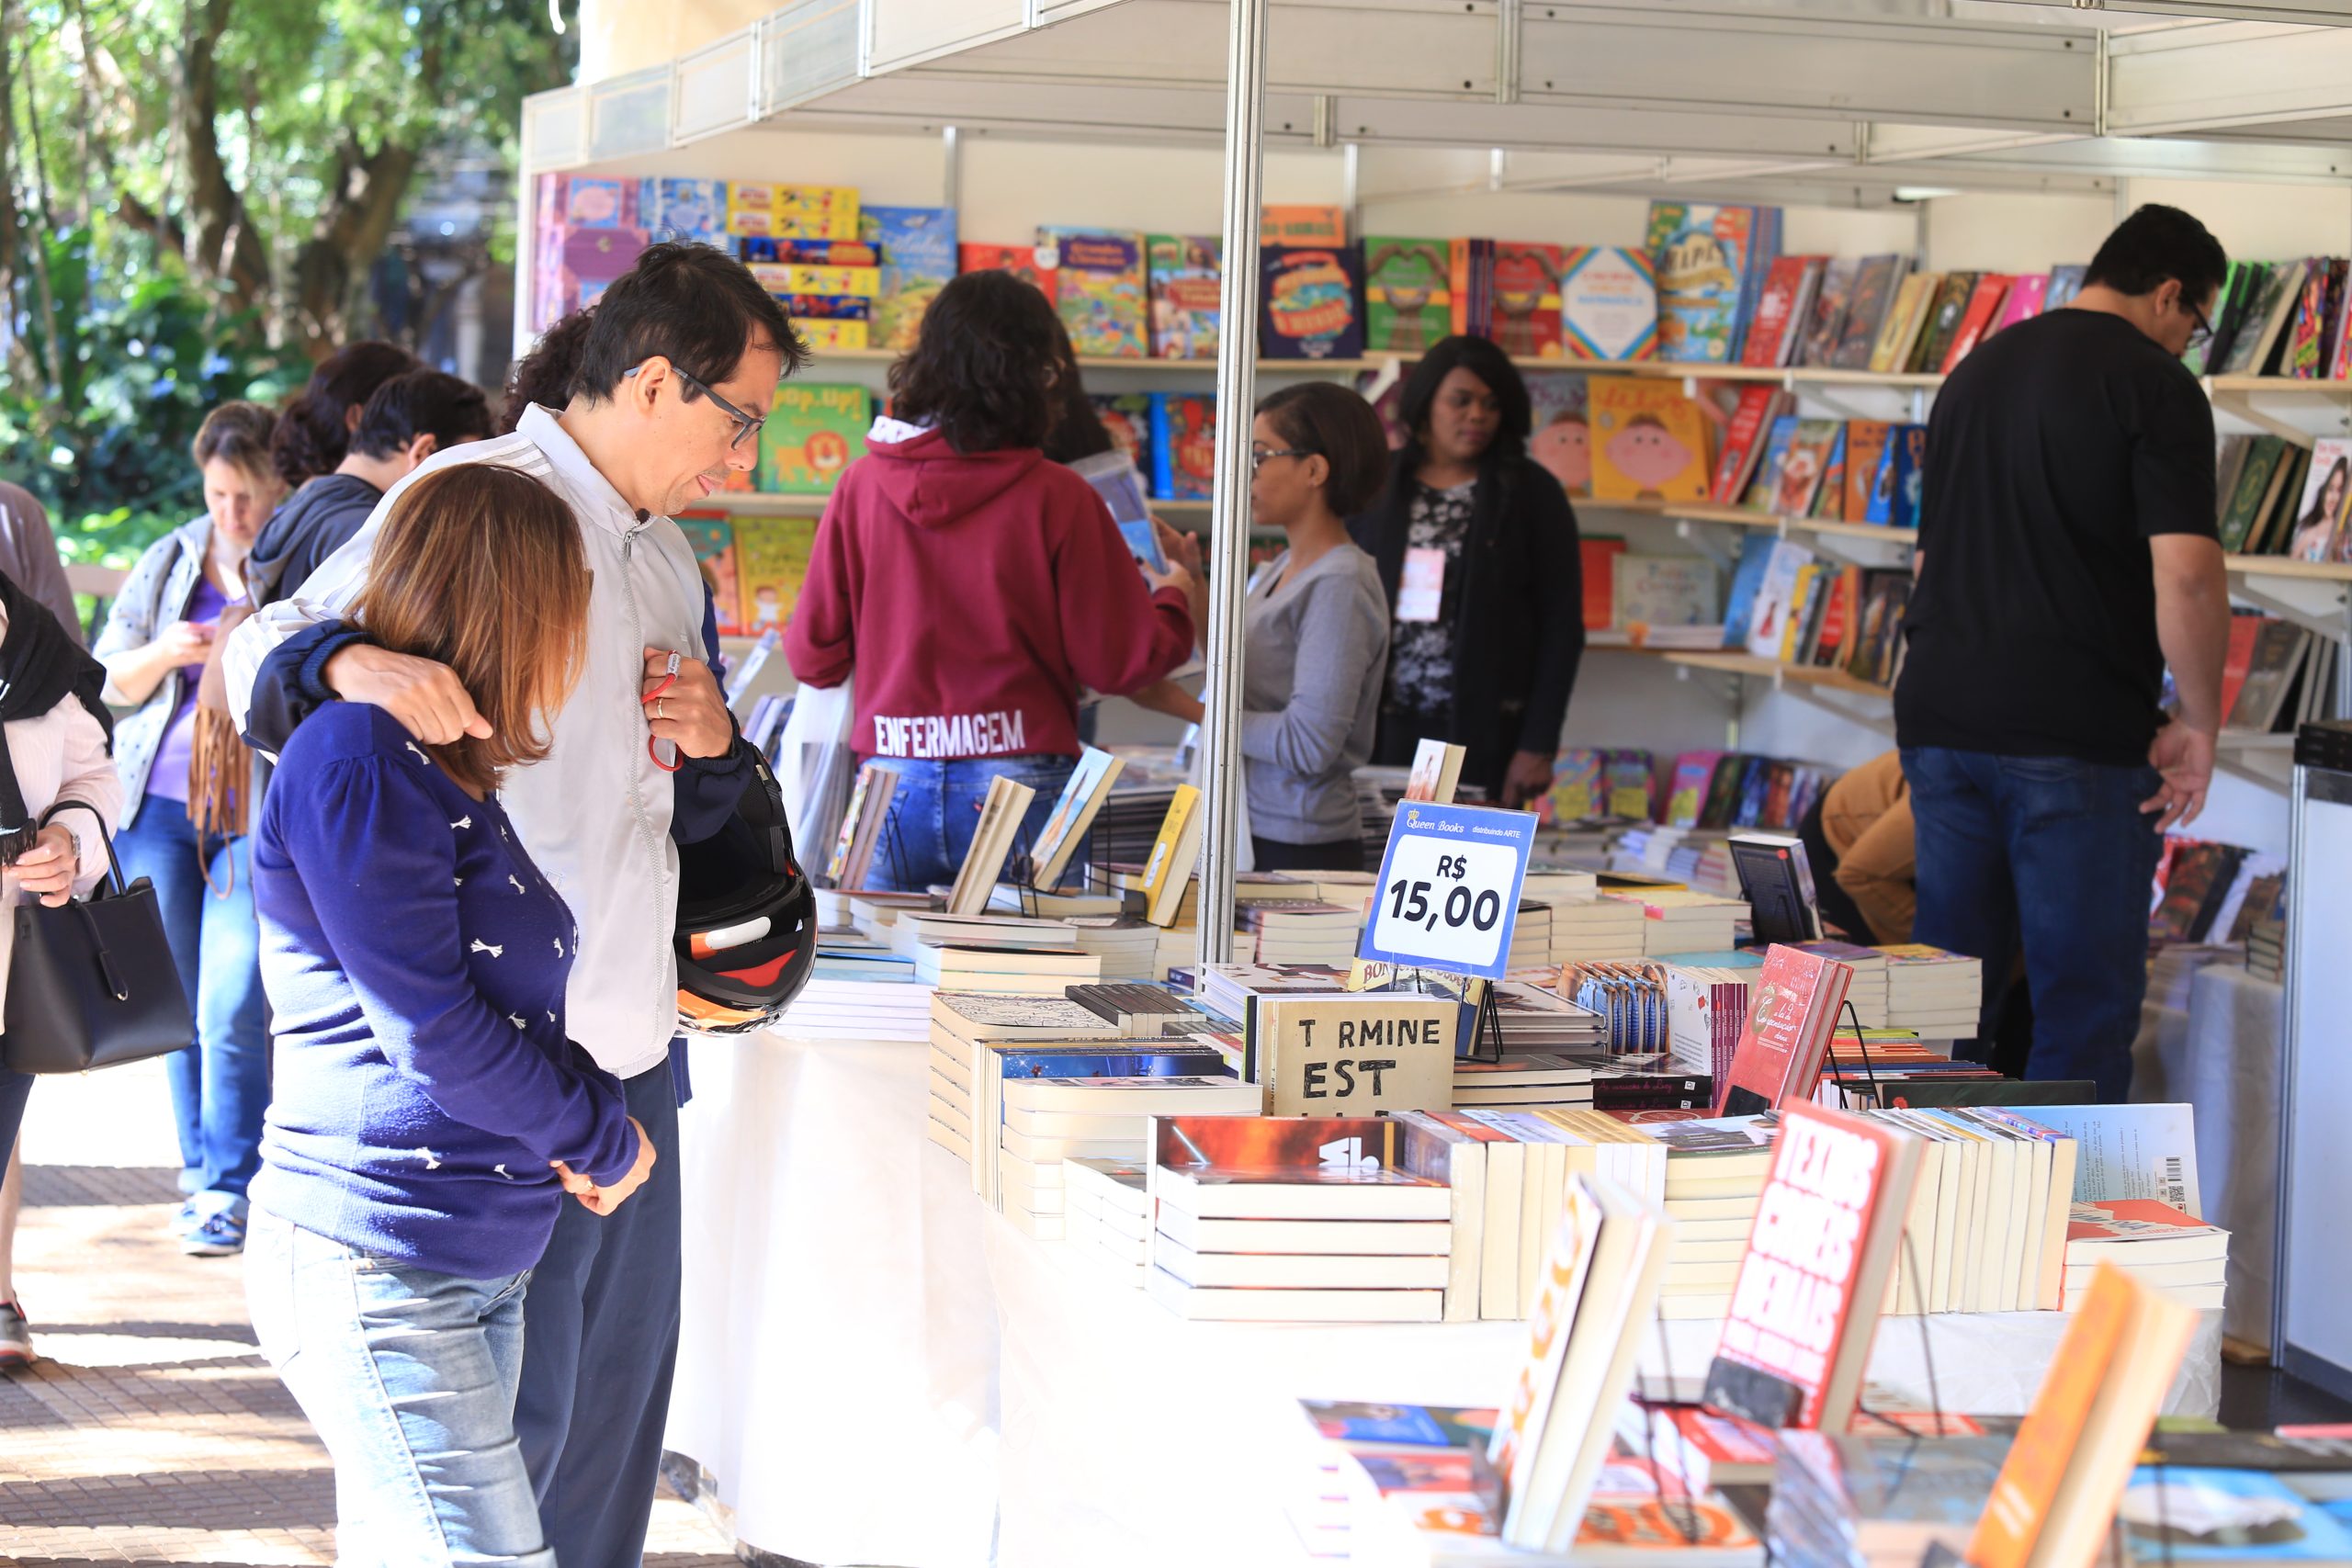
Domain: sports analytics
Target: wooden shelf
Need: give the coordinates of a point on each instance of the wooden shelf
(1749, 664)
(2282, 566)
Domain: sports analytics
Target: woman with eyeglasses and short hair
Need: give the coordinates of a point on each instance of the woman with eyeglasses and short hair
(972, 586)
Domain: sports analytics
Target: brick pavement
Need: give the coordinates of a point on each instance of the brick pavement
(151, 1431)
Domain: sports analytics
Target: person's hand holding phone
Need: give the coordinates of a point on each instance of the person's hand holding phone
(1183, 573)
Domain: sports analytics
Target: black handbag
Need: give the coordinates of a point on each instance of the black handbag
(91, 982)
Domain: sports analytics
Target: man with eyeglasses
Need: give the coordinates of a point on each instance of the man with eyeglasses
(2068, 554)
(676, 371)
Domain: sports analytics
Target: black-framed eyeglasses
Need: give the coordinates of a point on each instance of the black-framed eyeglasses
(747, 424)
(1259, 454)
(2201, 334)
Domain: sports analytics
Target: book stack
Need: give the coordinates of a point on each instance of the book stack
(2154, 1243)
(1296, 931)
(859, 992)
(1534, 1018)
(1009, 971)
(1597, 929)
(907, 930)
(1295, 1219)
(1531, 939)
(1523, 1081)
(1552, 883)
(962, 1022)
(1230, 990)
(2265, 950)
(1629, 1086)
(1867, 992)
(1106, 1214)
(1935, 994)
(1848, 1501)
(1714, 1177)
(1706, 1007)
(1139, 1011)
(1786, 1033)
(1681, 921)
(1129, 948)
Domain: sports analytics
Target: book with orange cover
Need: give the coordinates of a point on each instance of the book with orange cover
(1865, 444)
(1984, 304)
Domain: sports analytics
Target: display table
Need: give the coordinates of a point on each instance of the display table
(2221, 1056)
(852, 1315)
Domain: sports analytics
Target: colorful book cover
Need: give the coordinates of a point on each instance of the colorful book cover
(2065, 282)
(1127, 416)
(1701, 254)
(1579, 787)
(1019, 260)
(1693, 772)
(1608, 304)
(675, 209)
(918, 245)
(772, 562)
(792, 212)
(1649, 442)
(2202, 1518)
(1984, 304)
(750, 248)
(1829, 497)
(784, 279)
(1310, 303)
(1909, 474)
(1776, 310)
(1742, 438)
(821, 335)
(1831, 302)
(1764, 483)
(2326, 493)
(1904, 320)
(813, 431)
(2026, 297)
(826, 307)
(713, 540)
(1597, 552)
(1470, 284)
(1739, 605)
(1866, 441)
(1185, 298)
(1802, 466)
(1183, 445)
(1527, 298)
(1876, 285)
(1100, 288)
(1408, 306)
(1664, 591)
(2306, 342)
(1944, 320)
(1322, 226)
(1560, 405)
(1776, 598)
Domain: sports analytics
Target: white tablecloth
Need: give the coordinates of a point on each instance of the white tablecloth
(850, 1307)
(2221, 1056)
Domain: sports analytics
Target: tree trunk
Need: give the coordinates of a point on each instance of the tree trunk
(351, 233)
(226, 246)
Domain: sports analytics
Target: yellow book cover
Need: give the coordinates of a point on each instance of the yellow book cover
(820, 335)
(1912, 304)
(795, 277)
(1167, 848)
(1798, 604)
(772, 562)
(1649, 442)
(792, 212)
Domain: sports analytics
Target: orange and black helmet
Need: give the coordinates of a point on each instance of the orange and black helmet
(747, 920)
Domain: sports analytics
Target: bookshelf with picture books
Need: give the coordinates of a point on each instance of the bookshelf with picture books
(1590, 1232)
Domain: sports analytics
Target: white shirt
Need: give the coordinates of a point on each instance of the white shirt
(596, 813)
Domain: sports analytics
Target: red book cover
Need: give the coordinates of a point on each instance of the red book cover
(1984, 304)
(1599, 556)
(1019, 260)
(1527, 300)
(1743, 442)
(1792, 1009)
(1775, 307)
(1836, 616)
(1806, 1281)
(2244, 631)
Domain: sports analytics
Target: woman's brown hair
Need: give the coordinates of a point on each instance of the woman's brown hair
(479, 566)
(238, 434)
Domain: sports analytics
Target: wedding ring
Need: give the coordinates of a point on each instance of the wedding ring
(661, 707)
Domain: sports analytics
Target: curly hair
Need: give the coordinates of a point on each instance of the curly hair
(987, 368)
(314, 433)
(544, 375)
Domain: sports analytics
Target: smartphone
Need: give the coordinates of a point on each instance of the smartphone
(1114, 479)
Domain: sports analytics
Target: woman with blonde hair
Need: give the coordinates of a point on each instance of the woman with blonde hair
(431, 1109)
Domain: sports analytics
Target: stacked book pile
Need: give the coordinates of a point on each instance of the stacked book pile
(1011, 898)
(1229, 990)
(2265, 950)
(2154, 1243)
(1106, 1214)
(1715, 1175)
(1651, 1088)
(1523, 1081)
(1534, 1018)
(1598, 930)
(1867, 992)
(861, 1005)
(1935, 994)
(1128, 948)
(1295, 1219)
(1679, 919)
(962, 1022)
(1554, 883)
(1296, 931)
(1008, 971)
(1531, 939)
(1889, 1067)
(1706, 1007)
(1351, 890)
(1140, 1011)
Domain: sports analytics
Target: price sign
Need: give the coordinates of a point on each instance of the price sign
(1449, 888)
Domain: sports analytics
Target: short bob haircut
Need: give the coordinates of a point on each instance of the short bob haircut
(698, 308)
(315, 435)
(1333, 422)
(985, 368)
(1488, 362)
(479, 566)
(237, 433)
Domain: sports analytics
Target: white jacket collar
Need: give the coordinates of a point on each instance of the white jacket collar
(592, 495)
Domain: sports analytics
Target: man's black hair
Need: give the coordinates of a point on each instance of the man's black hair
(986, 369)
(1488, 362)
(2157, 243)
(698, 308)
(422, 403)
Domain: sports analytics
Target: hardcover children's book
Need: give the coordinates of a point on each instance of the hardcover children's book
(1408, 305)
(1649, 442)
(1019, 260)
(1703, 253)
(1127, 417)
(1313, 226)
(1527, 298)
(918, 245)
(1562, 433)
(814, 430)
(772, 560)
(713, 540)
(792, 212)
(1608, 304)
(675, 209)
(1876, 284)
(1310, 303)
(1100, 288)
(1866, 442)
(1184, 295)
(1183, 445)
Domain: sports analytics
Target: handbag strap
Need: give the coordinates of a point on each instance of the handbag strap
(12, 799)
(121, 883)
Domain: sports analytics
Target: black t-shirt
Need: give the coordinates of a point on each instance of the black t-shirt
(2056, 451)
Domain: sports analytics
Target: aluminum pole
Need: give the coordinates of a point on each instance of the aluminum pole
(1227, 558)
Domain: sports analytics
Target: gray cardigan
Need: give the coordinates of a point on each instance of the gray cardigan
(1317, 648)
(155, 594)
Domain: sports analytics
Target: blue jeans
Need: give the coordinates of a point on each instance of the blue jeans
(220, 1084)
(2055, 851)
(409, 1377)
(603, 1347)
(936, 807)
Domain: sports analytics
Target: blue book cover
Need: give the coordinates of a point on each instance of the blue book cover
(1882, 509)
(1908, 447)
(2175, 1514)
(1183, 445)
(1098, 1063)
(1310, 303)
(675, 209)
(1755, 561)
(1766, 484)
(1429, 1425)
(918, 246)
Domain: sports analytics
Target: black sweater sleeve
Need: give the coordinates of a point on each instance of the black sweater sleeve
(291, 683)
(1557, 556)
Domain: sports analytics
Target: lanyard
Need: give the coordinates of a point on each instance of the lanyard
(653, 743)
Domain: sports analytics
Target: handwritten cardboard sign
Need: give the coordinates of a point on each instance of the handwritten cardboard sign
(1356, 1055)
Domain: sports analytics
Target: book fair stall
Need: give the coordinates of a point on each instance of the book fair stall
(1555, 1187)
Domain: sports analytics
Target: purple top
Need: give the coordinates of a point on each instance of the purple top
(168, 774)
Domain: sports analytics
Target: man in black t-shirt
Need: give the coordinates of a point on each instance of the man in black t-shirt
(2067, 552)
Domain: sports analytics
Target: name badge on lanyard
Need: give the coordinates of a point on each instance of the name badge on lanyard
(1420, 588)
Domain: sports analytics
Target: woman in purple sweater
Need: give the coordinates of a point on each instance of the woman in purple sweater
(430, 1111)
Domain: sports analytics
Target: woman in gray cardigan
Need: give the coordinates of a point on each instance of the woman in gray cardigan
(1315, 631)
(153, 648)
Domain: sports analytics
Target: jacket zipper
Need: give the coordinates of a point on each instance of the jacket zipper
(652, 839)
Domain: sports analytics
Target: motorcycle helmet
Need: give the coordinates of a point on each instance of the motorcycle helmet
(746, 936)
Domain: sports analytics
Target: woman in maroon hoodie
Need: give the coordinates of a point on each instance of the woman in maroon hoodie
(973, 586)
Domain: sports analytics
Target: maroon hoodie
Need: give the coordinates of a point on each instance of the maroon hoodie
(973, 594)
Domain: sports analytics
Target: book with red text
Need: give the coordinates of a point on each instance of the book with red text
(1806, 1303)
(1743, 442)
(1794, 1009)
(1780, 312)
